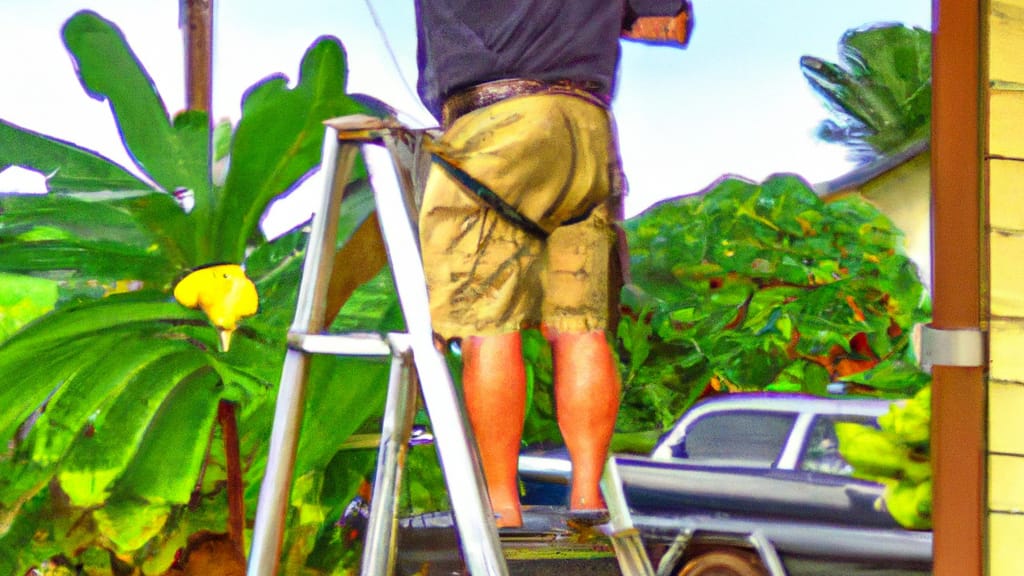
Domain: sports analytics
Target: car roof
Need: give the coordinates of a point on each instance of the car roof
(799, 404)
(788, 402)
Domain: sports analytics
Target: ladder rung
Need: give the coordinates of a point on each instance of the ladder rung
(353, 344)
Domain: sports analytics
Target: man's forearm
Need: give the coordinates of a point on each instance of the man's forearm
(671, 30)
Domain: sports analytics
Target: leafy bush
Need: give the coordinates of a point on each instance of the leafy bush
(765, 287)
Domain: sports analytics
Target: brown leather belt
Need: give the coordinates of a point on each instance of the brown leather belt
(488, 93)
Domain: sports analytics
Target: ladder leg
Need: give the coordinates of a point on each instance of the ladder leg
(456, 447)
(629, 547)
(380, 545)
(272, 508)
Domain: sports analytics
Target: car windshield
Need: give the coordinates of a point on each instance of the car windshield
(746, 438)
(821, 453)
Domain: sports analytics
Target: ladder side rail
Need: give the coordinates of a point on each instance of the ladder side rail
(379, 551)
(456, 447)
(626, 539)
(272, 508)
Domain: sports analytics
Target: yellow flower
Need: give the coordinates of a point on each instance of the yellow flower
(223, 292)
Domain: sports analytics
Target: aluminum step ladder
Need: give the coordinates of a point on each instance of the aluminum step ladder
(416, 364)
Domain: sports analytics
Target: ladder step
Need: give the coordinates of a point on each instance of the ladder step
(351, 344)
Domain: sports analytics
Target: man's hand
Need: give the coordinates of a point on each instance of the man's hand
(663, 29)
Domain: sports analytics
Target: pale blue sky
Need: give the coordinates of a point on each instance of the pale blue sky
(734, 101)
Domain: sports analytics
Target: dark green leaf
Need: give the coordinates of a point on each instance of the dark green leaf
(278, 142)
(103, 261)
(116, 427)
(100, 379)
(76, 322)
(176, 155)
(22, 299)
(879, 91)
(75, 217)
(181, 427)
(67, 167)
(335, 542)
(25, 393)
(343, 393)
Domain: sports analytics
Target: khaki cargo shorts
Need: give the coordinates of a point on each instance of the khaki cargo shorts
(553, 159)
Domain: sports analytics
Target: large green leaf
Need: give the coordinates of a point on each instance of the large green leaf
(181, 426)
(36, 380)
(171, 230)
(103, 376)
(65, 338)
(114, 435)
(22, 299)
(149, 224)
(343, 393)
(151, 484)
(73, 216)
(278, 142)
(75, 322)
(174, 154)
(103, 261)
(67, 167)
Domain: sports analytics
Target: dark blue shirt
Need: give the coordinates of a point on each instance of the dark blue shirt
(468, 42)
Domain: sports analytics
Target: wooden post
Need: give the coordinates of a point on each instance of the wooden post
(197, 27)
(958, 393)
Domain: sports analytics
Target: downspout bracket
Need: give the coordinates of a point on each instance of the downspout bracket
(962, 347)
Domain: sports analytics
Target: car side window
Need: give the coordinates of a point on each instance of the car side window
(747, 437)
(821, 453)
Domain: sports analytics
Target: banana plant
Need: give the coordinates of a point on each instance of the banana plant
(111, 457)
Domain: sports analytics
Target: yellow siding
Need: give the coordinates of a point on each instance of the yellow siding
(1006, 359)
(1005, 150)
(1006, 139)
(1006, 483)
(1006, 540)
(1006, 179)
(1006, 36)
(1005, 409)
(1007, 275)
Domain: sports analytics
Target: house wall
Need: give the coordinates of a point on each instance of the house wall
(904, 195)
(1003, 45)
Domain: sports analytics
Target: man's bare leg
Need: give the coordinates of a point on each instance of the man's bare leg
(587, 401)
(494, 382)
